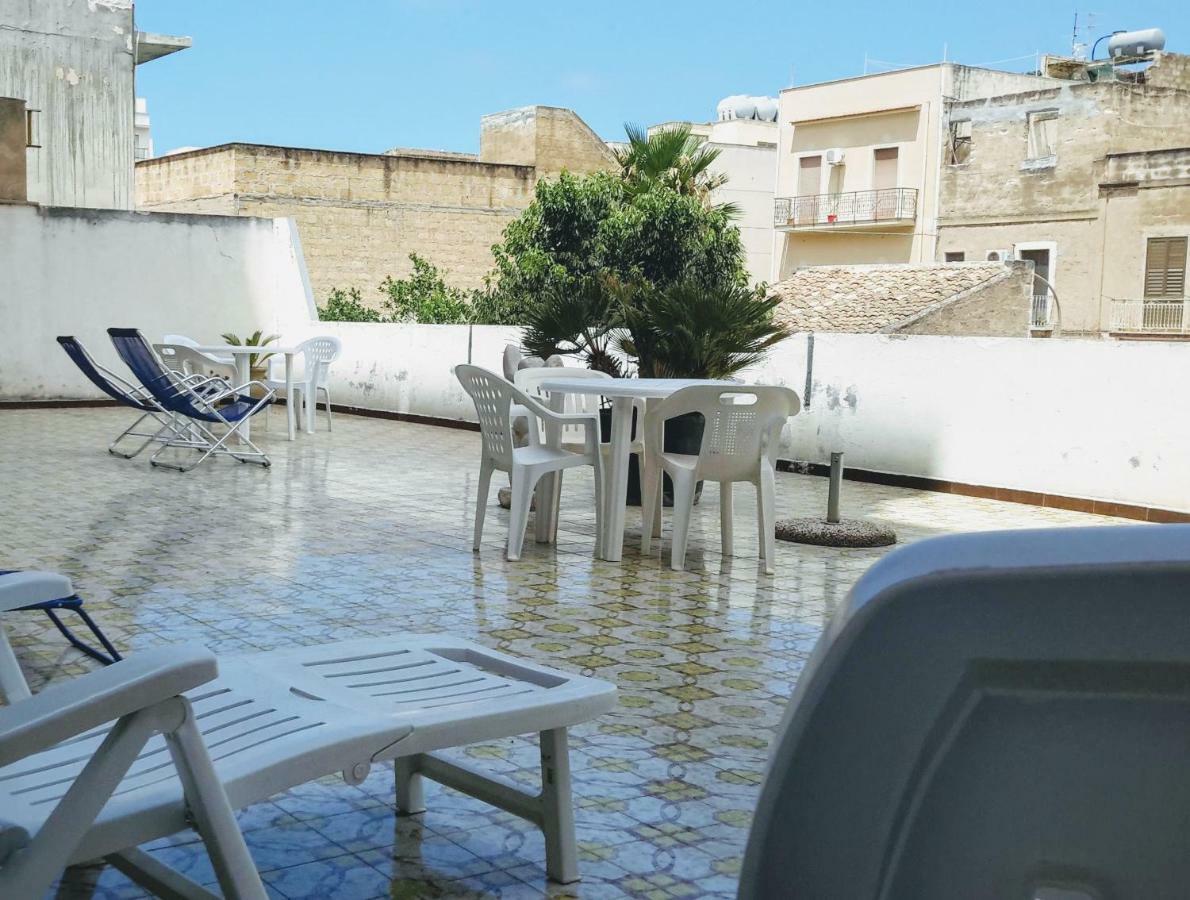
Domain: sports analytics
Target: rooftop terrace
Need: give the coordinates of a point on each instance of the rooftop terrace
(365, 532)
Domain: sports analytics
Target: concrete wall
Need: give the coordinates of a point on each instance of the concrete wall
(73, 61)
(751, 172)
(549, 138)
(1072, 418)
(73, 271)
(997, 199)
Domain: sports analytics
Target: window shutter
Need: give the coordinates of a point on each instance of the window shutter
(1165, 267)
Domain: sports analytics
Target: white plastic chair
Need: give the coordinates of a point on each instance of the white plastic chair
(739, 443)
(530, 380)
(185, 360)
(317, 355)
(987, 716)
(493, 397)
(182, 341)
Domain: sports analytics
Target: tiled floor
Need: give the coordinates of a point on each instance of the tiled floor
(365, 531)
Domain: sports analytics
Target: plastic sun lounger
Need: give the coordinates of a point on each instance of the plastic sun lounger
(987, 716)
(51, 593)
(271, 721)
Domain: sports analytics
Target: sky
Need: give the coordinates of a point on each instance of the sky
(367, 75)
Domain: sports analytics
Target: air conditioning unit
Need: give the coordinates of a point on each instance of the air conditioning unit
(834, 157)
(1001, 255)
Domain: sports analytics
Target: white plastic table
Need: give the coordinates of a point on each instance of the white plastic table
(243, 357)
(621, 392)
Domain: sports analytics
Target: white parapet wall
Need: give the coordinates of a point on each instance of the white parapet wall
(81, 271)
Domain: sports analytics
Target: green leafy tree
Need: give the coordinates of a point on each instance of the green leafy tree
(347, 306)
(424, 297)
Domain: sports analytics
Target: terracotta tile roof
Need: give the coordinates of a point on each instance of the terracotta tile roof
(868, 299)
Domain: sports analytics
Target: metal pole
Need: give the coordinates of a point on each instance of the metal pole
(836, 487)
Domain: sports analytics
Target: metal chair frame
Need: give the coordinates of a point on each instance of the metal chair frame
(201, 401)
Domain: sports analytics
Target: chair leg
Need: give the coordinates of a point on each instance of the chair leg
(767, 502)
(410, 786)
(481, 500)
(330, 420)
(523, 482)
(684, 485)
(108, 658)
(650, 490)
(600, 498)
(213, 818)
(561, 848)
(725, 518)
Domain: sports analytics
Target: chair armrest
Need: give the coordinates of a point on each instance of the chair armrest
(21, 589)
(64, 710)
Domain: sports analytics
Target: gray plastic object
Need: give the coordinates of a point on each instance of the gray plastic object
(1001, 715)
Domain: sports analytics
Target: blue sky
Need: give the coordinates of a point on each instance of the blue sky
(367, 75)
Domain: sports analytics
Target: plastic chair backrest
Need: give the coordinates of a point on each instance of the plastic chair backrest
(742, 425)
(114, 387)
(319, 352)
(991, 715)
(529, 381)
(512, 356)
(492, 396)
(180, 340)
(181, 358)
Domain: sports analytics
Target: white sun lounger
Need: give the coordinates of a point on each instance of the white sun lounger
(269, 721)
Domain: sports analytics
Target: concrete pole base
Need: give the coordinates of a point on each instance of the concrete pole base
(844, 533)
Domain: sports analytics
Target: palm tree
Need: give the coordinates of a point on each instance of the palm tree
(670, 157)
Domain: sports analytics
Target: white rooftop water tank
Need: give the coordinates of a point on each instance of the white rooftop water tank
(1136, 43)
(744, 106)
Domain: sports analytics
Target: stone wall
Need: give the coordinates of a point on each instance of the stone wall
(14, 180)
(1000, 308)
(998, 198)
(361, 215)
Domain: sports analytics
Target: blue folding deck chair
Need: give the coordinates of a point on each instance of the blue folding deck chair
(201, 402)
(989, 716)
(50, 593)
(124, 393)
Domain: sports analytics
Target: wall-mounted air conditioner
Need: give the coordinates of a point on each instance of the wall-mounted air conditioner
(1001, 255)
(834, 156)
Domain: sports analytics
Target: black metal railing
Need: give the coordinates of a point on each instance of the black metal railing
(851, 208)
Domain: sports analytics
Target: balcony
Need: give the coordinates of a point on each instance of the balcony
(890, 206)
(1170, 317)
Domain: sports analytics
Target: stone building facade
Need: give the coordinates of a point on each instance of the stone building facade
(1090, 181)
(360, 215)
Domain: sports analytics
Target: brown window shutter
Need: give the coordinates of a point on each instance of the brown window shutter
(1165, 267)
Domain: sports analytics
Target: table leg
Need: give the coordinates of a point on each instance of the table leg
(243, 376)
(615, 482)
(290, 412)
(660, 509)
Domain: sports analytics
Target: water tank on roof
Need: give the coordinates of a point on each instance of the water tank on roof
(1136, 43)
(766, 109)
(743, 108)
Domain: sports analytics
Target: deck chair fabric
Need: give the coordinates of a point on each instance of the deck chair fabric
(989, 716)
(50, 593)
(201, 402)
(274, 720)
(124, 393)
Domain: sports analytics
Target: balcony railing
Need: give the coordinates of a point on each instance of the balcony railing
(852, 208)
(1151, 316)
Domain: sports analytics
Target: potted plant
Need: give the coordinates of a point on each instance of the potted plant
(258, 371)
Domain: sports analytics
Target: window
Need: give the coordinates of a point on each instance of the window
(959, 145)
(809, 175)
(1165, 267)
(955, 256)
(1043, 134)
(884, 171)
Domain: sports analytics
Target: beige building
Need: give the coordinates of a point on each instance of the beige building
(1087, 179)
(745, 134)
(360, 215)
(71, 67)
(858, 162)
